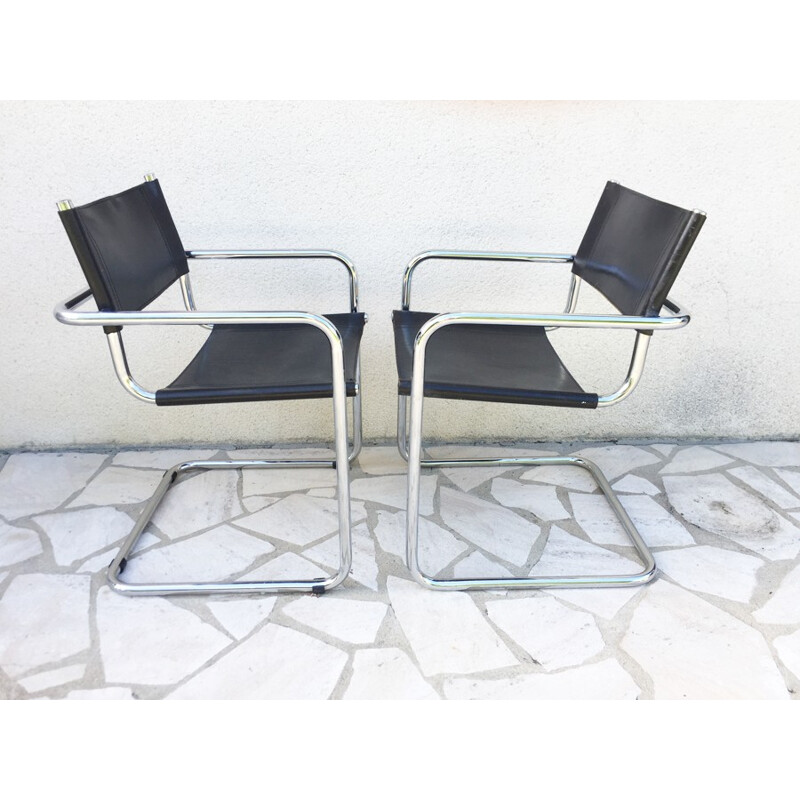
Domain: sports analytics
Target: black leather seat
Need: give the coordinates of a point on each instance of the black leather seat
(494, 363)
(240, 363)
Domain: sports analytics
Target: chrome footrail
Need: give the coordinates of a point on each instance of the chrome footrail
(544, 582)
(316, 585)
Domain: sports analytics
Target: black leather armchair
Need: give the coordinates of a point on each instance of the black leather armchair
(130, 253)
(631, 253)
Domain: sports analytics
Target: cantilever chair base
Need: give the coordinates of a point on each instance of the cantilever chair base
(317, 585)
(538, 582)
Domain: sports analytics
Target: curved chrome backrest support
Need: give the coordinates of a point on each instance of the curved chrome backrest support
(120, 361)
(635, 371)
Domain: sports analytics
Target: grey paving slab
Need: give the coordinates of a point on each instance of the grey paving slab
(720, 620)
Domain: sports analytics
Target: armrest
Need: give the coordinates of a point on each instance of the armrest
(467, 255)
(678, 319)
(287, 254)
(113, 320)
(643, 326)
(65, 312)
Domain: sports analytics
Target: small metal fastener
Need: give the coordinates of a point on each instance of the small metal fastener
(151, 176)
(64, 205)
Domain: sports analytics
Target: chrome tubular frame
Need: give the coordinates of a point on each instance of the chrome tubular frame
(188, 296)
(66, 312)
(409, 431)
(474, 255)
(292, 255)
(289, 255)
(120, 361)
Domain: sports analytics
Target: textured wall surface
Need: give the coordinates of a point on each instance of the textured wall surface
(381, 182)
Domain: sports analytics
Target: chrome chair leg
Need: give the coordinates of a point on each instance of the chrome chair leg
(544, 582)
(402, 426)
(316, 585)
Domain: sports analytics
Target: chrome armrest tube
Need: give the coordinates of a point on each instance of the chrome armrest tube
(65, 312)
(287, 254)
(470, 255)
(643, 326)
(614, 321)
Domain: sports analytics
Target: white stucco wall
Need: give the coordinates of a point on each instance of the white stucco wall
(381, 182)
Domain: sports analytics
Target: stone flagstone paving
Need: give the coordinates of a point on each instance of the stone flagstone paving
(722, 619)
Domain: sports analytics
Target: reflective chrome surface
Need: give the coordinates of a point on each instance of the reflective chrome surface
(287, 254)
(66, 312)
(189, 303)
(412, 509)
(409, 431)
(474, 255)
(341, 464)
(574, 291)
(635, 371)
(679, 318)
(613, 321)
(188, 296)
(120, 361)
(402, 425)
(646, 574)
(69, 313)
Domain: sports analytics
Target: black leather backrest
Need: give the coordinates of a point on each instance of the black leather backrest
(634, 248)
(128, 247)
